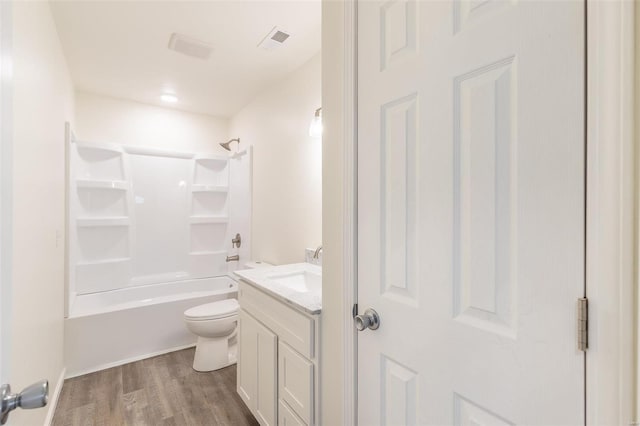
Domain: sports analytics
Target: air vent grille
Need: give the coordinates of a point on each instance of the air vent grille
(274, 39)
(280, 37)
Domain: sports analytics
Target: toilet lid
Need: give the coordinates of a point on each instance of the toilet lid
(208, 311)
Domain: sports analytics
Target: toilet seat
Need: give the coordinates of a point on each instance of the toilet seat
(215, 310)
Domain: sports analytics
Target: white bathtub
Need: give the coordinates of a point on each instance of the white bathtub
(115, 327)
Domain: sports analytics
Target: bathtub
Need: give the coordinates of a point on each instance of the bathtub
(111, 328)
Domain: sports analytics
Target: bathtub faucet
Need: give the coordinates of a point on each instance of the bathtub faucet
(233, 258)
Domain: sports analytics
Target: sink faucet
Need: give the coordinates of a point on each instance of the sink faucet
(316, 254)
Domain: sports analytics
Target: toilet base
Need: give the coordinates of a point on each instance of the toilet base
(214, 354)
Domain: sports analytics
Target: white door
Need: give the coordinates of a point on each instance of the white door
(471, 211)
(35, 395)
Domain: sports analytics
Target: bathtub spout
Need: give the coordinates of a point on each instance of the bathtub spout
(233, 258)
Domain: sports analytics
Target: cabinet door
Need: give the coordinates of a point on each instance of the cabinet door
(257, 369)
(295, 382)
(247, 371)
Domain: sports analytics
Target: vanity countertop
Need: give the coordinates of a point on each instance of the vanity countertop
(297, 284)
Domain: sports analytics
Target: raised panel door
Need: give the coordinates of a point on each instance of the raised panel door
(470, 211)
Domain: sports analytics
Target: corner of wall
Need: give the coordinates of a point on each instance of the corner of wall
(287, 165)
(333, 187)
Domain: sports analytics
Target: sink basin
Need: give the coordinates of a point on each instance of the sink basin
(299, 284)
(300, 281)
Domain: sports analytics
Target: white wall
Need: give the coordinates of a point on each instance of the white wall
(43, 101)
(333, 187)
(287, 166)
(101, 119)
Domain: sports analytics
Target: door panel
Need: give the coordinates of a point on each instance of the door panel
(247, 373)
(257, 363)
(471, 211)
(267, 387)
(295, 381)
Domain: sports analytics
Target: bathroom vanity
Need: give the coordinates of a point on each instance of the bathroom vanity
(278, 339)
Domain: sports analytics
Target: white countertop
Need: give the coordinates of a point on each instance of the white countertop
(297, 284)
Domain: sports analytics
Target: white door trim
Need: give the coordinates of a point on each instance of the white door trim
(350, 251)
(6, 184)
(610, 212)
(611, 202)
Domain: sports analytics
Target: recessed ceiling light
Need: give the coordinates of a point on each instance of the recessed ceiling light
(169, 98)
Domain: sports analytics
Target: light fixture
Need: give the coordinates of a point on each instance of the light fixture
(169, 98)
(315, 128)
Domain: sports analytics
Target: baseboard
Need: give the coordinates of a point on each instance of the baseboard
(53, 401)
(127, 361)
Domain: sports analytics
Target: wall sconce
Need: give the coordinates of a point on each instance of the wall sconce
(315, 128)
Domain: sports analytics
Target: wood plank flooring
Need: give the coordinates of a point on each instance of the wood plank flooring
(163, 390)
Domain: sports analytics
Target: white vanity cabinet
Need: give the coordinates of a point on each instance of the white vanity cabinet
(277, 359)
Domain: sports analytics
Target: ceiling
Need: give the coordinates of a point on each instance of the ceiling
(119, 48)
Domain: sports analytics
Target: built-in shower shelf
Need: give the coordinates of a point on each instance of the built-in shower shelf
(105, 261)
(84, 147)
(208, 253)
(102, 221)
(212, 159)
(208, 219)
(102, 184)
(209, 188)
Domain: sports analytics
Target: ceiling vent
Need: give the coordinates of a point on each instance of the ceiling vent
(274, 39)
(190, 46)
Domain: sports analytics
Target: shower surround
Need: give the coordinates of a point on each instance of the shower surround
(141, 221)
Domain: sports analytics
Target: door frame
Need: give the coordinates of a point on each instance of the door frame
(6, 185)
(611, 225)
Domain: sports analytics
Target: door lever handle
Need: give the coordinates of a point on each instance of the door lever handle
(34, 396)
(370, 319)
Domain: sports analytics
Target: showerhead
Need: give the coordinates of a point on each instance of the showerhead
(225, 145)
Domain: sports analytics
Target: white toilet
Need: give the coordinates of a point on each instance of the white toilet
(215, 324)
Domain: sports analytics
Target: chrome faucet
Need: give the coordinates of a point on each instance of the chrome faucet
(233, 258)
(316, 254)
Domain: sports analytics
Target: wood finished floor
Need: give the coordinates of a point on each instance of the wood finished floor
(163, 390)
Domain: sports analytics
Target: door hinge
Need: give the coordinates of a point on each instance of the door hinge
(354, 310)
(583, 324)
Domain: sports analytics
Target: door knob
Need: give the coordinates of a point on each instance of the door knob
(370, 319)
(34, 396)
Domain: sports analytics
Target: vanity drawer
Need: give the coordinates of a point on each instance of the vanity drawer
(295, 382)
(291, 326)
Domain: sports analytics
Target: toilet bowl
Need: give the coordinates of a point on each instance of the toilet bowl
(215, 325)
